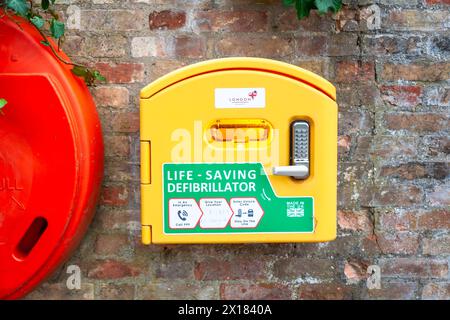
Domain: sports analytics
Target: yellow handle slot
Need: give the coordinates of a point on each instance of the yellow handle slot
(240, 130)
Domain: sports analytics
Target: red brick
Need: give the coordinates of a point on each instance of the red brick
(121, 72)
(237, 268)
(354, 71)
(434, 2)
(398, 220)
(409, 171)
(109, 291)
(417, 122)
(392, 291)
(178, 290)
(161, 67)
(112, 269)
(388, 147)
(190, 47)
(369, 245)
(434, 220)
(355, 220)
(119, 219)
(111, 244)
(356, 94)
(355, 122)
(59, 291)
(393, 195)
(121, 122)
(318, 66)
(355, 271)
(342, 44)
(416, 19)
(232, 21)
(430, 71)
(337, 45)
(117, 146)
(353, 181)
(436, 246)
(153, 46)
(113, 20)
(167, 20)
(116, 97)
(293, 268)
(114, 195)
(121, 171)
(254, 46)
(389, 45)
(398, 243)
(324, 291)
(261, 291)
(347, 19)
(101, 46)
(311, 45)
(414, 170)
(72, 45)
(402, 96)
(436, 291)
(174, 269)
(414, 268)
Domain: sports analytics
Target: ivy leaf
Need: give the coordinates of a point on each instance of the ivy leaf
(57, 29)
(37, 21)
(3, 103)
(79, 71)
(324, 5)
(303, 8)
(89, 76)
(21, 7)
(45, 4)
(98, 76)
(288, 2)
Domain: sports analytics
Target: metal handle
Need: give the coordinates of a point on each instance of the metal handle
(297, 171)
(299, 168)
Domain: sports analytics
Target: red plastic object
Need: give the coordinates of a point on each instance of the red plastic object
(51, 160)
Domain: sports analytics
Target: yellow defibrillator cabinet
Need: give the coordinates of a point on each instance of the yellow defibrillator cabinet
(238, 150)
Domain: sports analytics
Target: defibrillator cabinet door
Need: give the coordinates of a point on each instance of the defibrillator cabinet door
(238, 155)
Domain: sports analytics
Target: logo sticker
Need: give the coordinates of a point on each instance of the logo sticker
(240, 98)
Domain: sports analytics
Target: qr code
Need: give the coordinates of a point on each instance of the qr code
(295, 209)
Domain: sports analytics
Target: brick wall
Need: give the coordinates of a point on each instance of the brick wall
(390, 63)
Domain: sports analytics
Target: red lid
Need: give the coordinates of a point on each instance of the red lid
(51, 160)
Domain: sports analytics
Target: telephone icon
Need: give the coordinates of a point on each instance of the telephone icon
(182, 215)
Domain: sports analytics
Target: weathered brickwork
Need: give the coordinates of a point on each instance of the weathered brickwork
(390, 61)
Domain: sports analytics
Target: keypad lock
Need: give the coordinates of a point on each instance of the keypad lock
(299, 153)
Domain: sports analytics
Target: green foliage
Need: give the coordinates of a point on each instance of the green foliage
(43, 15)
(21, 7)
(45, 4)
(90, 76)
(3, 103)
(38, 21)
(57, 28)
(304, 7)
(328, 5)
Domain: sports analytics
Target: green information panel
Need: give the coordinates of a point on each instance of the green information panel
(229, 198)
